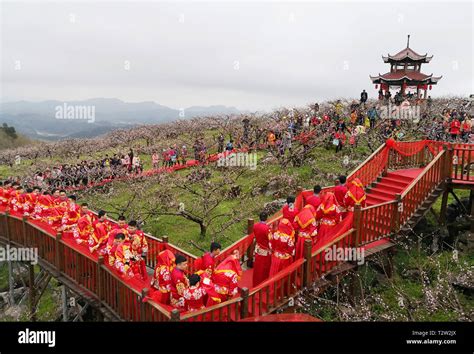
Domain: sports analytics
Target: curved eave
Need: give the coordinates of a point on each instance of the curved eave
(422, 59)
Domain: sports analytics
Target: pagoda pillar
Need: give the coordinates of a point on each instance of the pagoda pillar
(426, 93)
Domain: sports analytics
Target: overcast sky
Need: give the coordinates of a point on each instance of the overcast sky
(251, 55)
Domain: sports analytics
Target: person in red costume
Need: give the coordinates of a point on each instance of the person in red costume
(161, 281)
(179, 282)
(122, 256)
(195, 294)
(207, 262)
(262, 254)
(455, 128)
(315, 199)
(139, 248)
(5, 193)
(340, 190)
(355, 195)
(71, 216)
(289, 210)
(282, 244)
(306, 228)
(30, 199)
(328, 215)
(16, 200)
(120, 227)
(225, 279)
(61, 203)
(100, 234)
(84, 228)
(43, 208)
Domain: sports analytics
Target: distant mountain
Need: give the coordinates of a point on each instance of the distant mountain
(52, 120)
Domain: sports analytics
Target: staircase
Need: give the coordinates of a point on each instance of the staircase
(390, 185)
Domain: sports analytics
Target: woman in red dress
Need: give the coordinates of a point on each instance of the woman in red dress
(355, 195)
(306, 228)
(282, 244)
(161, 280)
(328, 215)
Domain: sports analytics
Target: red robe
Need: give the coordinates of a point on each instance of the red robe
(306, 229)
(282, 244)
(44, 208)
(29, 202)
(122, 259)
(84, 229)
(4, 197)
(328, 215)
(355, 195)
(110, 250)
(16, 202)
(289, 212)
(99, 236)
(340, 192)
(194, 297)
(314, 200)
(161, 281)
(205, 264)
(179, 282)
(71, 216)
(225, 278)
(262, 256)
(139, 247)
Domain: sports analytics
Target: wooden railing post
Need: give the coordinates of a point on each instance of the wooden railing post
(396, 213)
(24, 219)
(449, 162)
(7, 214)
(143, 304)
(100, 279)
(32, 292)
(307, 265)
(244, 308)
(250, 250)
(175, 315)
(385, 169)
(357, 221)
(58, 252)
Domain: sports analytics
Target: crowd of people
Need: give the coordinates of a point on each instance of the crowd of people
(125, 247)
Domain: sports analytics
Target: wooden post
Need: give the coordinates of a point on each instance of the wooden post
(24, 219)
(250, 250)
(385, 169)
(64, 301)
(143, 304)
(308, 245)
(7, 214)
(444, 206)
(58, 252)
(396, 214)
(175, 316)
(100, 279)
(244, 308)
(449, 163)
(32, 294)
(357, 221)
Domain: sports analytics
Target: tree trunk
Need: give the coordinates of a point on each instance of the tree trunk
(203, 230)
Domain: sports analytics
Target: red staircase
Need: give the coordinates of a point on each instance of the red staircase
(390, 185)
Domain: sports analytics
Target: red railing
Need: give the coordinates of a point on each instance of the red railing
(372, 167)
(322, 263)
(462, 161)
(421, 187)
(375, 222)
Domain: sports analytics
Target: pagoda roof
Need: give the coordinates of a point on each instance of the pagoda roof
(408, 75)
(407, 54)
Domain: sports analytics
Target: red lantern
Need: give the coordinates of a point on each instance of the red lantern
(390, 143)
(376, 87)
(431, 86)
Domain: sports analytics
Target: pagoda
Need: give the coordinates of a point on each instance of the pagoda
(405, 72)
